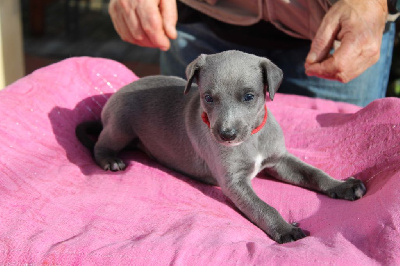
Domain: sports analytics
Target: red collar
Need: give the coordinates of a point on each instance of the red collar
(204, 117)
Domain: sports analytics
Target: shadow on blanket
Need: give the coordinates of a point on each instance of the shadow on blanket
(363, 133)
(77, 154)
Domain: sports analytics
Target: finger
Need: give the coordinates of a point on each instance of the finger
(113, 12)
(325, 69)
(124, 28)
(335, 68)
(346, 63)
(141, 38)
(151, 23)
(133, 25)
(119, 14)
(169, 15)
(349, 62)
(132, 31)
(323, 40)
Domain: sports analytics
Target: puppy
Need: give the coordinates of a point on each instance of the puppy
(220, 132)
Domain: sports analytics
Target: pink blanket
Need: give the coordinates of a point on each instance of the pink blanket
(58, 207)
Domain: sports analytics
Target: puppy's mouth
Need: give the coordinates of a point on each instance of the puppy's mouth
(231, 143)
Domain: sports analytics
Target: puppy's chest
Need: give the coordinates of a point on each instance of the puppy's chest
(257, 164)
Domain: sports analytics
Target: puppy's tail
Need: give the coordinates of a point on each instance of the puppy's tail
(88, 132)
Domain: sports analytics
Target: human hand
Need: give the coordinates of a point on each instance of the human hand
(359, 26)
(149, 23)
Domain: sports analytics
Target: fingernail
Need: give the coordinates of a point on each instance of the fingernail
(311, 58)
(171, 32)
(164, 48)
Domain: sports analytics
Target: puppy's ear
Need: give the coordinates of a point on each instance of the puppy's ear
(192, 71)
(272, 77)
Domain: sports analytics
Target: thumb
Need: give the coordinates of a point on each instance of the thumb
(323, 41)
(169, 15)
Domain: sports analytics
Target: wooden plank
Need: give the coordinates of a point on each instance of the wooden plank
(11, 48)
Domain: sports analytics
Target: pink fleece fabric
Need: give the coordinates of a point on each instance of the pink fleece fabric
(58, 207)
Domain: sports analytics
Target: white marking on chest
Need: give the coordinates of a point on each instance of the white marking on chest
(257, 165)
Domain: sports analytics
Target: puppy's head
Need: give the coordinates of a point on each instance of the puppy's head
(233, 87)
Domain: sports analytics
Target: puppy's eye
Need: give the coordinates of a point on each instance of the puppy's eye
(248, 97)
(208, 98)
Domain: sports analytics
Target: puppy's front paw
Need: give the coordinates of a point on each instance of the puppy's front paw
(291, 233)
(350, 189)
(114, 164)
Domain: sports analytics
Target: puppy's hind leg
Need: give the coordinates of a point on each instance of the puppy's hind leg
(109, 144)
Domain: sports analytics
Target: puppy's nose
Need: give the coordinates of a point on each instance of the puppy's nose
(228, 134)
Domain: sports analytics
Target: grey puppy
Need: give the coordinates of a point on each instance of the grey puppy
(220, 133)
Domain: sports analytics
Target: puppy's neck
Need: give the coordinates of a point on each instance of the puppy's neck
(263, 121)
